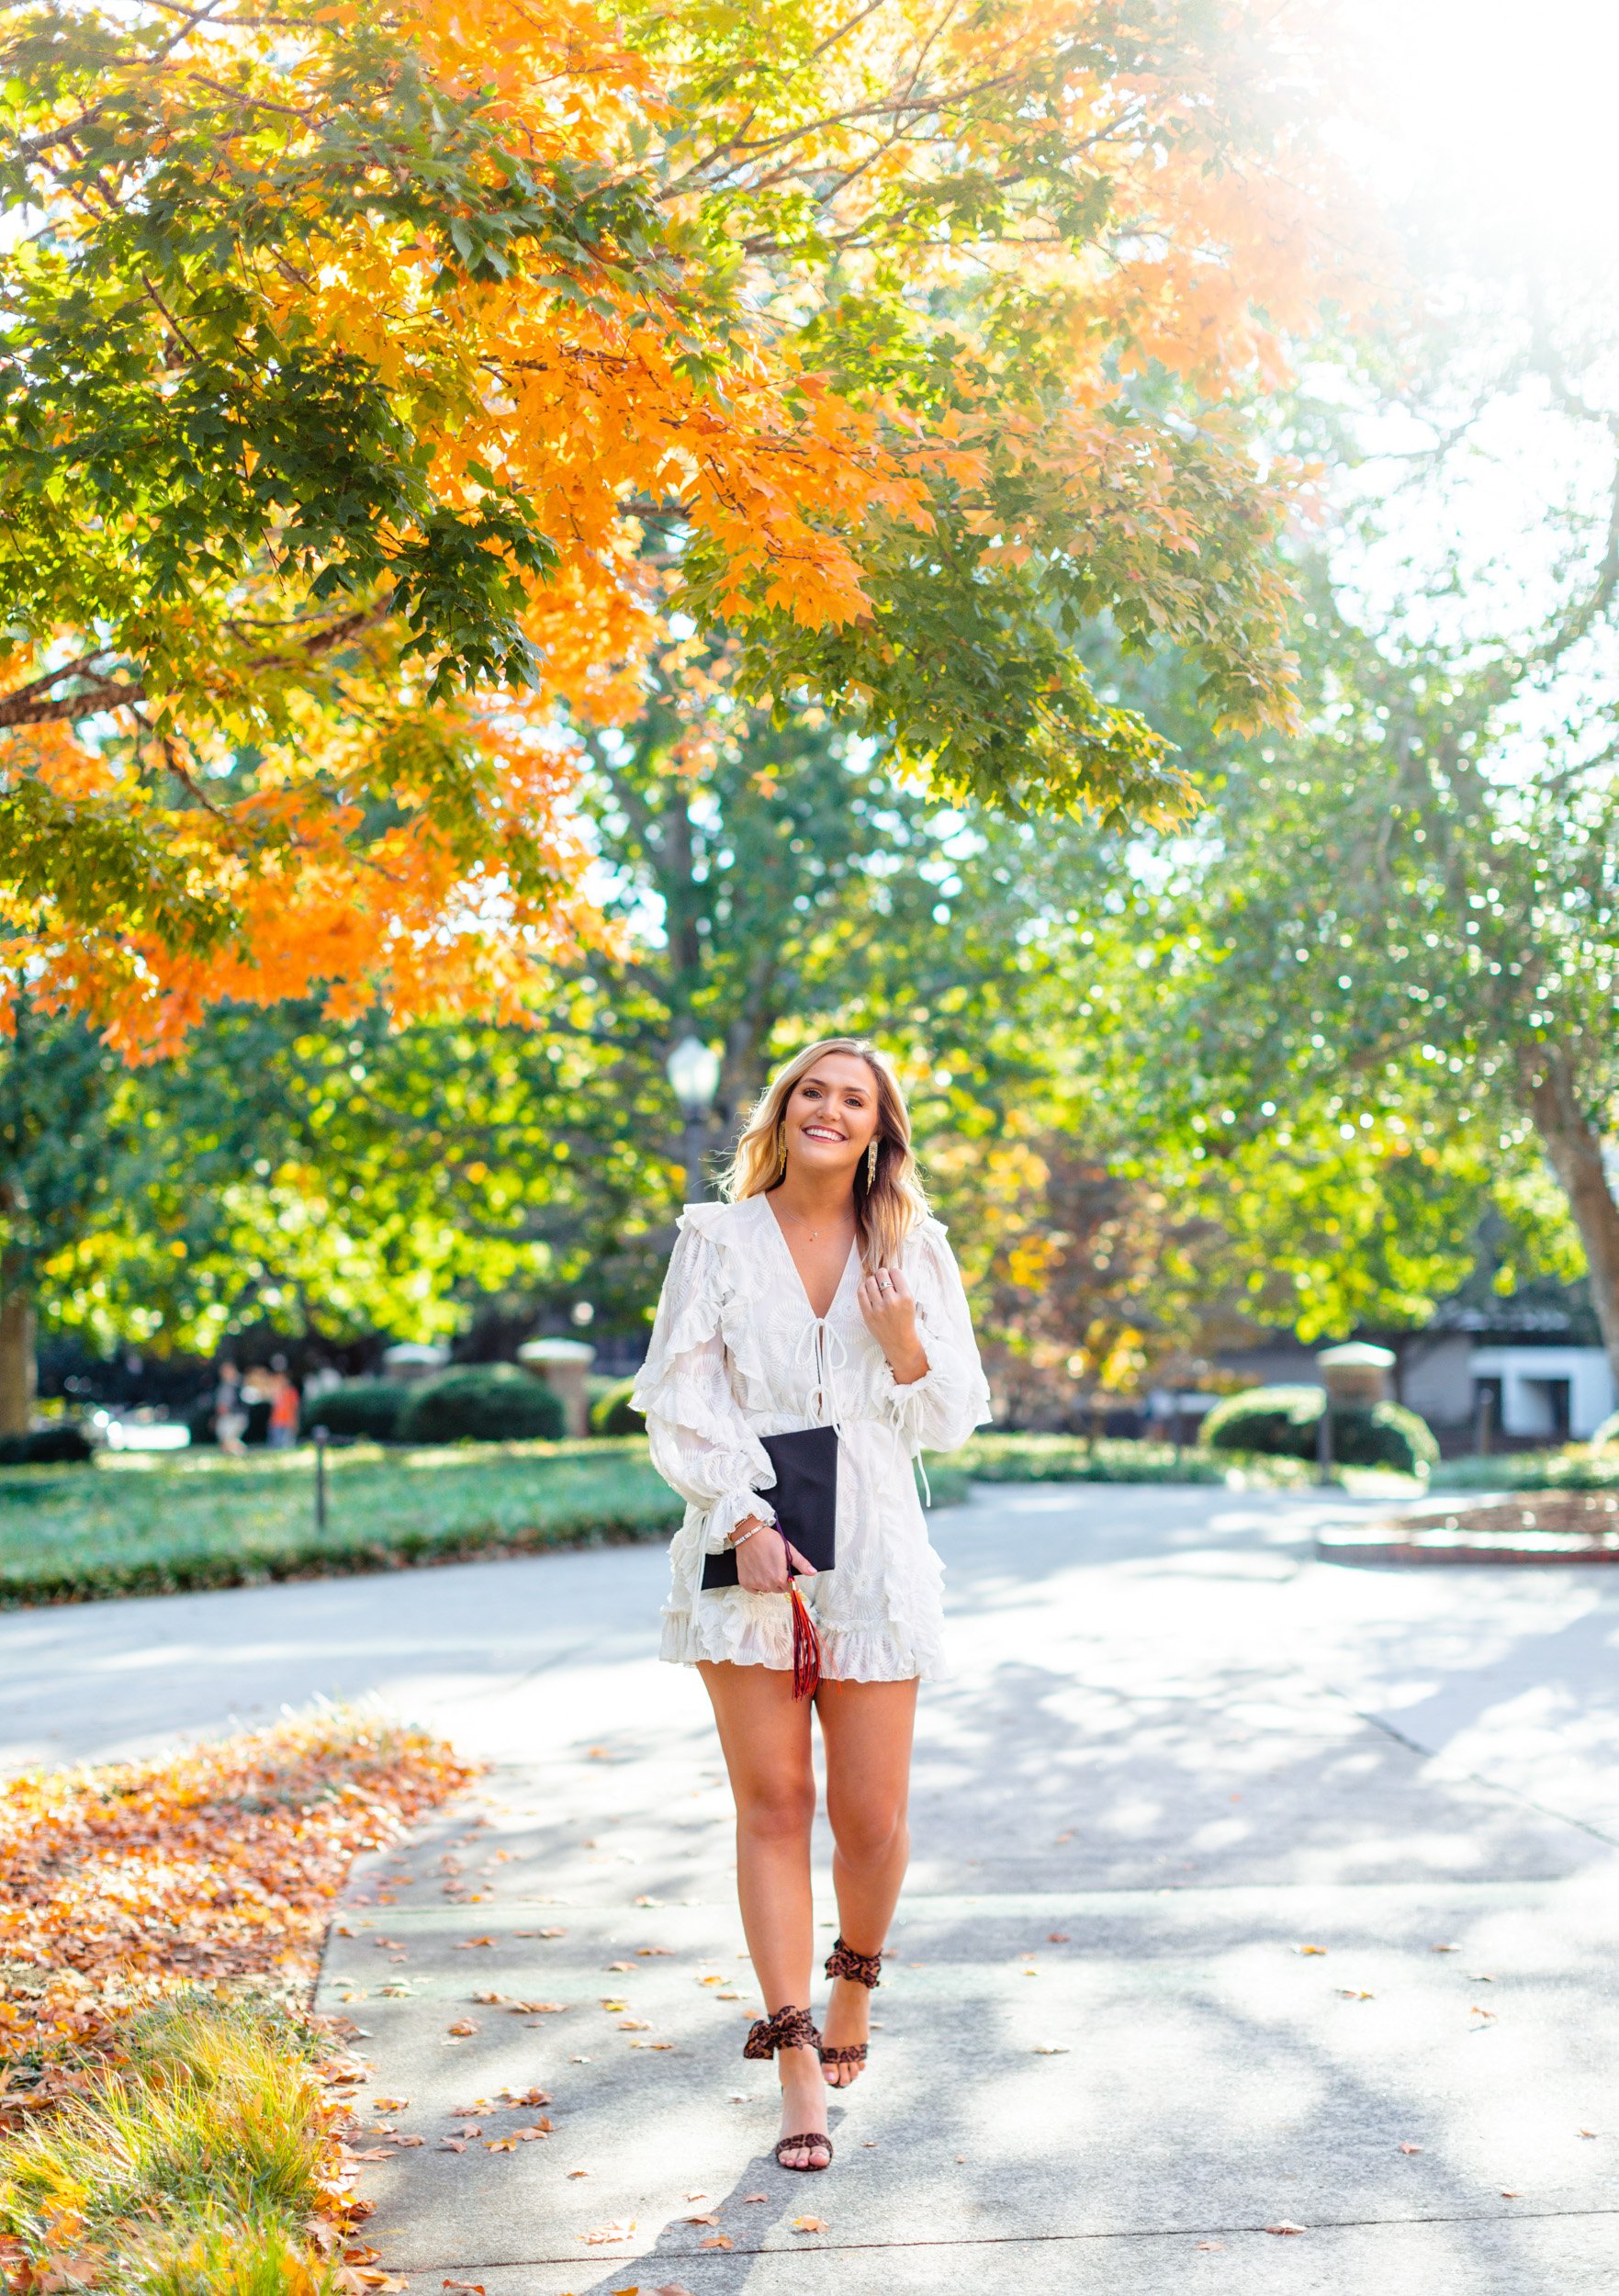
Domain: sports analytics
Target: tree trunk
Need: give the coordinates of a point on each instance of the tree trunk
(17, 1356)
(1575, 1147)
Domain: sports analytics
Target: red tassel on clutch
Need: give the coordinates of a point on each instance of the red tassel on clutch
(806, 1647)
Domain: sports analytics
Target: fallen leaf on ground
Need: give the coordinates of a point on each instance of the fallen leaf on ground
(716, 2240)
(469, 2288)
(515, 2097)
(700, 2220)
(579, 2172)
(1310, 1949)
(652, 2044)
(463, 2025)
(377, 2152)
(1212, 2243)
(666, 1951)
(1057, 1937)
(501, 2145)
(407, 2144)
(492, 2000)
(389, 2104)
(536, 2009)
(470, 1944)
(1509, 2196)
(670, 2288)
(1588, 2132)
(1409, 2148)
(765, 2196)
(452, 2145)
(698, 2196)
(1052, 2049)
(605, 2232)
(809, 2224)
(1353, 1993)
(1284, 2227)
(617, 1968)
(635, 2024)
(533, 2133)
(1444, 1949)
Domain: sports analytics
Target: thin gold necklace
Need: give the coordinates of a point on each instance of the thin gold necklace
(811, 1234)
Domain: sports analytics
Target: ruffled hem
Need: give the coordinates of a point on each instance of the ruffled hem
(754, 1631)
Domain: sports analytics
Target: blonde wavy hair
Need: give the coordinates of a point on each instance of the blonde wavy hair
(895, 1203)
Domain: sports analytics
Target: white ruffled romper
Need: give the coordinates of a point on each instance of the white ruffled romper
(738, 1353)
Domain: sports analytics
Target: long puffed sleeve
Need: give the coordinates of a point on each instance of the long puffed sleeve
(939, 1411)
(702, 1445)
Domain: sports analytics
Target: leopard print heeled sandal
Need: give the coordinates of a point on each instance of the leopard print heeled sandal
(861, 1969)
(791, 2028)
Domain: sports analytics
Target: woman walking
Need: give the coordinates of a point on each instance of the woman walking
(820, 1294)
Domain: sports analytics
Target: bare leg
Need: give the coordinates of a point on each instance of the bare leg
(765, 1737)
(867, 1729)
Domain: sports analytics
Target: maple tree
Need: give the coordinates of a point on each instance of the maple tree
(376, 385)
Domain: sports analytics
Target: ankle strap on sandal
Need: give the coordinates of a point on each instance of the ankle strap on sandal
(789, 2029)
(843, 1962)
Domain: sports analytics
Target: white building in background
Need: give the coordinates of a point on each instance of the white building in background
(1538, 1388)
(1533, 1353)
(1555, 1392)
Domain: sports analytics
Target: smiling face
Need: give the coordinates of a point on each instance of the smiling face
(831, 1114)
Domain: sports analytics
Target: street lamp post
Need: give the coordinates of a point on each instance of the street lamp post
(693, 1071)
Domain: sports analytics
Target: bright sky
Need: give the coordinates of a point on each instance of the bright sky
(1501, 112)
(1492, 141)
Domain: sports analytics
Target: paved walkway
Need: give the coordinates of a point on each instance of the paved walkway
(1177, 1752)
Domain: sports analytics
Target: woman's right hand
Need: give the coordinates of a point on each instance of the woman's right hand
(761, 1560)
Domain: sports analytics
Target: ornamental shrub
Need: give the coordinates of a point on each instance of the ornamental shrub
(369, 1408)
(1283, 1420)
(1606, 1437)
(609, 1410)
(47, 1447)
(482, 1403)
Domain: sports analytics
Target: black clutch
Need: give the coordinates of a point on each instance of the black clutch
(804, 1496)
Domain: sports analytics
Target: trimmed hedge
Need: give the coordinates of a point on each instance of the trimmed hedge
(370, 1409)
(1063, 1458)
(609, 1410)
(1282, 1423)
(47, 1447)
(483, 1403)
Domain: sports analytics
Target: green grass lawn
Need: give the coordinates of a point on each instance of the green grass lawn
(146, 1524)
(140, 1523)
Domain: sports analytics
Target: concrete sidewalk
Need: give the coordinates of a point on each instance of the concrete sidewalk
(1177, 1752)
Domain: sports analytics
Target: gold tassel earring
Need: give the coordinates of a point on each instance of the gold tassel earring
(782, 1144)
(871, 1166)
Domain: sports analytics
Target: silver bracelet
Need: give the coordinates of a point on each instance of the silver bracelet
(747, 1535)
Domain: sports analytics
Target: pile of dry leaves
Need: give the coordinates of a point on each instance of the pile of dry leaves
(212, 1871)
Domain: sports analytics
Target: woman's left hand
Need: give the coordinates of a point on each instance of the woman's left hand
(889, 1306)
